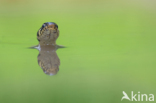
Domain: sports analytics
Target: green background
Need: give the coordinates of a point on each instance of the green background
(111, 47)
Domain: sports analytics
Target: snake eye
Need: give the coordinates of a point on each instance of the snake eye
(43, 25)
(56, 26)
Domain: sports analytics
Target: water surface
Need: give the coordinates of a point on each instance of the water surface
(110, 49)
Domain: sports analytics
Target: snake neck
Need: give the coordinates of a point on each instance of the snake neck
(47, 43)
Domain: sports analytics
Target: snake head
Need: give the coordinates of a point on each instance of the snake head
(48, 33)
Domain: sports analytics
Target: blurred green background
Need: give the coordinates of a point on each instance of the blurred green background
(110, 49)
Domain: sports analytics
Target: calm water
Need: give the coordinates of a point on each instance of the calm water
(110, 49)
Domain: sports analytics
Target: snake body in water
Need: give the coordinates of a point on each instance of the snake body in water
(47, 58)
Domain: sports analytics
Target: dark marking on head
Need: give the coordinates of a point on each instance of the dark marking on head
(38, 33)
(56, 26)
(44, 25)
(38, 39)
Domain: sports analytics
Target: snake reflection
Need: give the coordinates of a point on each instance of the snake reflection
(48, 59)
